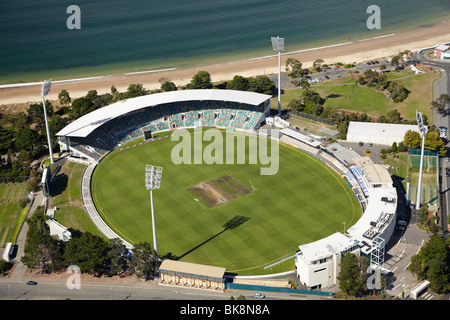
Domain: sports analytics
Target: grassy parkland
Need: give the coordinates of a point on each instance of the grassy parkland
(344, 94)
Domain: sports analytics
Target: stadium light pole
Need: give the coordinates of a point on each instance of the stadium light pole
(45, 89)
(278, 45)
(153, 181)
(423, 131)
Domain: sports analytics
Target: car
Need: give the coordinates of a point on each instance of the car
(400, 228)
(31, 283)
(402, 223)
(361, 143)
(259, 295)
(369, 144)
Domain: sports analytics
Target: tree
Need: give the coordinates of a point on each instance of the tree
(294, 68)
(41, 249)
(317, 64)
(55, 124)
(202, 80)
(433, 262)
(440, 104)
(143, 261)
(350, 275)
(36, 112)
(64, 97)
(261, 84)
(80, 107)
(168, 86)
(295, 104)
(412, 139)
(434, 142)
(397, 91)
(89, 252)
(394, 116)
(26, 138)
(134, 90)
(395, 61)
(238, 83)
(394, 147)
(6, 136)
(116, 258)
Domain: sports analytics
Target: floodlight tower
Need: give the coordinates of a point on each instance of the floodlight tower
(153, 181)
(422, 130)
(44, 91)
(278, 45)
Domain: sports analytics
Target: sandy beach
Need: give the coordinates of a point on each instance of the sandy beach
(357, 51)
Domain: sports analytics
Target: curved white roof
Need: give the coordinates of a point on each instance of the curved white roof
(84, 125)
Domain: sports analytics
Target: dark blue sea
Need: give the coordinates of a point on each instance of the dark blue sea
(118, 36)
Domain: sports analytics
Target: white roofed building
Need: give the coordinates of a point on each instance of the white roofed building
(318, 263)
(378, 133)
(439, 49)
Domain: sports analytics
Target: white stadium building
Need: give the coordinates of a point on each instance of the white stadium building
(378, 133)
(318, 263)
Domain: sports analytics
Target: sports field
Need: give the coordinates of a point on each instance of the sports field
(226, 215)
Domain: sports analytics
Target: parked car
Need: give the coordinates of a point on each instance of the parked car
(31, 283)
(259, 295)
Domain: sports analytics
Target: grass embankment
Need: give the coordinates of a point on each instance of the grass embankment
(11, 213)
(66, 197)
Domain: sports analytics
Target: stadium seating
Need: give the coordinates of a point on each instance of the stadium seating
(164, 117)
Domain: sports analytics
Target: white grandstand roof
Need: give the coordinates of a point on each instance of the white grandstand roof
(323, 248)
(301, 137)
(375, 211)
(84, 125)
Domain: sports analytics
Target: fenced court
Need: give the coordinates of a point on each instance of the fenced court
(430, 176)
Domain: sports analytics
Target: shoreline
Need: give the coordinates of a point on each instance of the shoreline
(371, 48)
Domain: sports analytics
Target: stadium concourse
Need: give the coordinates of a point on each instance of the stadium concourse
(94, 135)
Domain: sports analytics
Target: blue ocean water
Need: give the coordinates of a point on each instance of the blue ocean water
(126, 36)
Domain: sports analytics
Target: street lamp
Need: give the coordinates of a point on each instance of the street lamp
(423, 130)
(153, 181)
(278, 45)
(44, 91)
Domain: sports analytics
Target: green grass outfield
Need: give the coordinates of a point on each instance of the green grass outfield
(305, 201)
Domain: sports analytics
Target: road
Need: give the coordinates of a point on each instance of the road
(146, 290)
